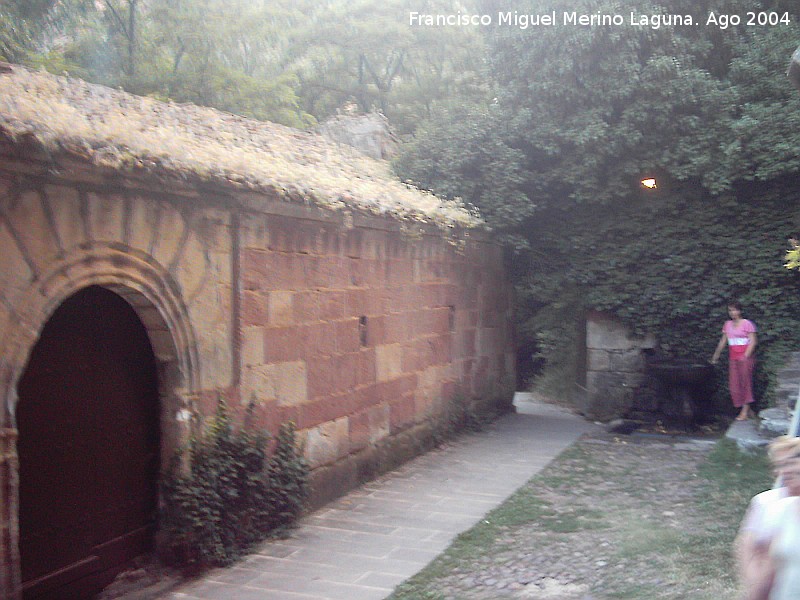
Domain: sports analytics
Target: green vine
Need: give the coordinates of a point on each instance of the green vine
(667, 263)
(232, 495)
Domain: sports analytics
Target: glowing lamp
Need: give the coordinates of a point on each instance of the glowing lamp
(794, 69)
(649, 183)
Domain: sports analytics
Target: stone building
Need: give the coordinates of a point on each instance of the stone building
(158, 259)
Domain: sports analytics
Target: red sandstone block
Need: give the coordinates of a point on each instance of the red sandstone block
(305, 306)
(401, 412)
(400, 299)
(325, 409)
(286, 272)
(312, 275)
(355, 269)
(408, 383)
(353, 243)
(255, 269)
(208, 401)
(416, 297)
(255, 308)
(445, 294)
(344, 372)
(321, 339)
(365, 369)
(400, 327)
(321, 376)
(282, 344)
(262, 416)
(389, 390)
(432, 320)
(466, 319)
(376, 331)
(401, 272)
(279, 239)
(426, 295)
(356, 303)
(376, 394)
(292, 235)
(465, 345)
(442, 348)
(332, 305)
(448, 389)
(359, 430)
(286, 414)
(374, 273)
(333, 273)
(380, 300)
(410, 358)
(309, 239)
(341, 277)
(347, 336)
(328, 241)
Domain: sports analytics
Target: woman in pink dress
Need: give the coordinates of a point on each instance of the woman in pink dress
(739, 335)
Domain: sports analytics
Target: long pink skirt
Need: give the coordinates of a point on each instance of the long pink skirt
(740, 381)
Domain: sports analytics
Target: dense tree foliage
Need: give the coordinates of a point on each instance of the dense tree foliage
(293, 62)
(581, 115)
(367, 53)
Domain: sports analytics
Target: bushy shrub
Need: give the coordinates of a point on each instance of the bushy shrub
(232, 494)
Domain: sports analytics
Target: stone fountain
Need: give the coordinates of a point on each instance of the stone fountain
(687, 387)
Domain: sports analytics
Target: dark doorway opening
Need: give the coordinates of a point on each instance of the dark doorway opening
(89, 448)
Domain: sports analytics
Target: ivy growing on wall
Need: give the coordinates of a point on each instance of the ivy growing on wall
(578, 116)
(668, 262)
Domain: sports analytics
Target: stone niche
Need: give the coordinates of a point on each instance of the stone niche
(616, 384)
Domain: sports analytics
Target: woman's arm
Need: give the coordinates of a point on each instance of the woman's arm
(751, 344)
(722, 341)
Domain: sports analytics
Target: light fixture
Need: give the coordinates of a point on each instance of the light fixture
(794, 69)
(649, 183)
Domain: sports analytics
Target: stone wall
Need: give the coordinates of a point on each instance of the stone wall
(370, 134)
(355, 330)
(359, 334)
(616, 385)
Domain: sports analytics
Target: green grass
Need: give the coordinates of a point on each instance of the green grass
(690, 558)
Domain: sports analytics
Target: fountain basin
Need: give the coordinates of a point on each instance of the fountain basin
(687, 386)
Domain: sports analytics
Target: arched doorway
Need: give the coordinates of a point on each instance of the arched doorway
(88, 446)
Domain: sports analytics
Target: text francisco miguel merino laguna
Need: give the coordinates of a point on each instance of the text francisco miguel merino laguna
(654, 21)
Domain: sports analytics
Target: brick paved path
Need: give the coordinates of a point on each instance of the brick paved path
(363, 545)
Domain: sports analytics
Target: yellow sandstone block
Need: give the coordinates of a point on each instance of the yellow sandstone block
(388, 361)
(106, 217)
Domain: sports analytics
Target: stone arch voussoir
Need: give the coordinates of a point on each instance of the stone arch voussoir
(143, 283)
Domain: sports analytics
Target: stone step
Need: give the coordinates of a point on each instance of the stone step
(774, 421)
(792, 374)
(746, 435)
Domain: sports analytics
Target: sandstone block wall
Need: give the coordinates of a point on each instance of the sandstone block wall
(354, 329)
(358, 334)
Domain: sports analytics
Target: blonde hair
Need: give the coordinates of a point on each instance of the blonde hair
(784, 444)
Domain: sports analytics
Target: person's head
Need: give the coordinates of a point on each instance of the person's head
(734, 309)
(790, 476)
(784, 452)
